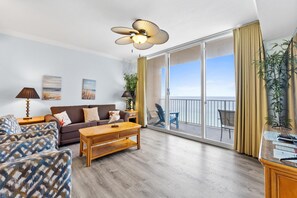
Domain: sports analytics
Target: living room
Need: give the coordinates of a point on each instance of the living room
(148, 98)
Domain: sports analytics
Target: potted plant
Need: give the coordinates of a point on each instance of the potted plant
(130, 85)
(276, 69)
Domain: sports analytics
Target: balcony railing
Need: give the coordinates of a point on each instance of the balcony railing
(190, 110)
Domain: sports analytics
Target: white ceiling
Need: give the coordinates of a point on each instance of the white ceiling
(85, 25)
(278, 18)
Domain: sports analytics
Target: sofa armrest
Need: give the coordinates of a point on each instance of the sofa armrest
(38, 127)
(18, 149)
(51, 118)
(28, 135)
(124, 115)
(35, 175)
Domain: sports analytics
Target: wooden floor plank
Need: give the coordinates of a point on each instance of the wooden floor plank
(168, 166)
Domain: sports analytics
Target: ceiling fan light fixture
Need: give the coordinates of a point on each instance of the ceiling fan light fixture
(139, 38)
(144, 35)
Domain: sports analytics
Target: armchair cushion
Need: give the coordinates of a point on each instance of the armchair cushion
(27, 135)
(9, 125)
(39, 126)
(39, 175)
(19, 149)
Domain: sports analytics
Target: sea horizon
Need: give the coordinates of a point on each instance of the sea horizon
(207, 97)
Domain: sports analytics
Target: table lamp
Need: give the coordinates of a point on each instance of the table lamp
(127, 95)
(28, 93)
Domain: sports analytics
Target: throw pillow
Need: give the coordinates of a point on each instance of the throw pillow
(114, 116)
(111, 113)
(91, 114)
(63, 118)
(9, 125)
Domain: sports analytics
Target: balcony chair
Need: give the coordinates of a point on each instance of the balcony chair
(31, 165)
(161, 114)
(227, 121)
(152, 119)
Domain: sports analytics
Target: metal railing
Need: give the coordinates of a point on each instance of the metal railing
(190, 110)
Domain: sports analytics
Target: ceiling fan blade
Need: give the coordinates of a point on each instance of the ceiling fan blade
(124, 40)
(160, 38)
(143, 46)
(124, 30)
(150, 28)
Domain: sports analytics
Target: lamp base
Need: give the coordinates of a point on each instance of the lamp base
(27, 118)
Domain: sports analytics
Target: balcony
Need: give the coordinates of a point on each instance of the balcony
(190, 117)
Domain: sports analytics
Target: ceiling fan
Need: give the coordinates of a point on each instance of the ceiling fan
(144, 35)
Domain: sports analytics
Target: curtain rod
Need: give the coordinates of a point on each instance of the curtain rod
(197, 41)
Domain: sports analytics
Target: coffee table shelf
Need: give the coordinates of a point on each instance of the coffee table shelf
(109, 148)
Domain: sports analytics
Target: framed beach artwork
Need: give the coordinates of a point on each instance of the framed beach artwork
(51, 88)
(88, 89)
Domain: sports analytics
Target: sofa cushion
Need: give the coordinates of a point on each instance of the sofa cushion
(114, 116)
(103, 110)
(77, 126)
(69, 137)
(63, 118)
(102, 122)
(91, 114)
(75, 113)
(119, 120)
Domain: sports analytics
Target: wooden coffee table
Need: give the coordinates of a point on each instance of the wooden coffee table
(102, 140)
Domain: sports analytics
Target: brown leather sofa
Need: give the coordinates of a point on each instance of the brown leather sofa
(70, 134)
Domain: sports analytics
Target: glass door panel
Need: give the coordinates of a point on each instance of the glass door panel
(185, 91)
(220, 90)
(156, 78)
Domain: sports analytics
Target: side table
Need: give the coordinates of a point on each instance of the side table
(132, 115)
(34, 120)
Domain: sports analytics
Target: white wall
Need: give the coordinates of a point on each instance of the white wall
(130, 66)
(23, 64)
(270, 43)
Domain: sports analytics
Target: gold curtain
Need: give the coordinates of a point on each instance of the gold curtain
(292, 92)
(251, 97)
(141, 91)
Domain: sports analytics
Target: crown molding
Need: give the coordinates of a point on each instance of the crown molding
(56, 43)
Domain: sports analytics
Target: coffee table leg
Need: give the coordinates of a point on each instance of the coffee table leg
(138, 139)
(81, 147)
(89, 153)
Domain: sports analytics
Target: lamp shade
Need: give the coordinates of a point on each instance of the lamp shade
(28, 92)
(126, 94)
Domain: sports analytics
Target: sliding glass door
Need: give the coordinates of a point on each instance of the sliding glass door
(185, 91)
(220, 90)
(191, 91)
(156, 83)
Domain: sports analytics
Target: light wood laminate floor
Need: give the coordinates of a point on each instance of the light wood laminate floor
(168, 166)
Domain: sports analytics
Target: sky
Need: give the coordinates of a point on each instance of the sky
(185, 79)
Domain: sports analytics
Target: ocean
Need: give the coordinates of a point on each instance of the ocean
(189, 108)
